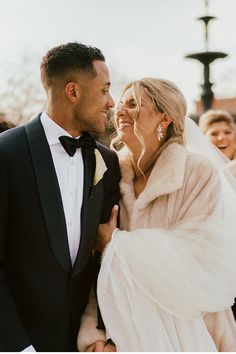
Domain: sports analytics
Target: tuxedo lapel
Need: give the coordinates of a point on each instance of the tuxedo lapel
(90, 213)
(49, 192)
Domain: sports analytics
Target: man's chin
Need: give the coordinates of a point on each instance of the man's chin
(98, 131)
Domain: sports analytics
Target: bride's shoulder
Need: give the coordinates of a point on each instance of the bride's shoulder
(200, 165)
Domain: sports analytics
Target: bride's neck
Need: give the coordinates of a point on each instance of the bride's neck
(143, 163)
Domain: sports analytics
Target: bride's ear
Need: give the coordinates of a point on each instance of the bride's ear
(166, 120)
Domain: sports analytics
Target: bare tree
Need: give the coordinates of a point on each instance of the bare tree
(22, 96)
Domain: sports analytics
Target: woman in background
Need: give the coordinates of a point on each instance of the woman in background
(219, 127)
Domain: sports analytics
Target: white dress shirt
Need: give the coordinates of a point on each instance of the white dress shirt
(70, 175)
(29, 349)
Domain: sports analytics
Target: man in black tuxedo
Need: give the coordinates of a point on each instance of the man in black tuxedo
(54, 193)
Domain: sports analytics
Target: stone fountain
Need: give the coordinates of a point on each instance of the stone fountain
(206, 58)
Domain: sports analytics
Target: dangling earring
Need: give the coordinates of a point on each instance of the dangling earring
(160, 133)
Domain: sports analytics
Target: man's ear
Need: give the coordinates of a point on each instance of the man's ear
(165, 120)
(72, 91)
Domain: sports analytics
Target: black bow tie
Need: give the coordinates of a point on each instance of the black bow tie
(86, 142)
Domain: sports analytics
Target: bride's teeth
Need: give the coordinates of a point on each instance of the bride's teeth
(125, 125)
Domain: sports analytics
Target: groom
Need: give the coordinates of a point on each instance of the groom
(55, 190)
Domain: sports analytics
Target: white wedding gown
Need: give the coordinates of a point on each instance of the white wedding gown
(168, 283)
(145, 311)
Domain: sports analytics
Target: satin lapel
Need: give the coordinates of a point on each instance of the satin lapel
(49, 192)
(90, 213)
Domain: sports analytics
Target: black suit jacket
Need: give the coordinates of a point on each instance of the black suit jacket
(41, 296)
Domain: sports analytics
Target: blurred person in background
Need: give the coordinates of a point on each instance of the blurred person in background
(220, 128)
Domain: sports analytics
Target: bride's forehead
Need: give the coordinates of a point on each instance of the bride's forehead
(129, 95)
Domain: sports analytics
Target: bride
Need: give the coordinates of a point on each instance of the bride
(167, 278)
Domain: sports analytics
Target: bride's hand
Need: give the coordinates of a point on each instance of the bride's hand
(105, 231)
(98, 346)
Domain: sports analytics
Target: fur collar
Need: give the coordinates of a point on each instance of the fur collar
(166, 177)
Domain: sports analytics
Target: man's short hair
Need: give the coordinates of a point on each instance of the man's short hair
(67, 58)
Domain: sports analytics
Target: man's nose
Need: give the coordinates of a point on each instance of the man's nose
(110, 103)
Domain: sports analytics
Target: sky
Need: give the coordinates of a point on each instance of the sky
(139, 38)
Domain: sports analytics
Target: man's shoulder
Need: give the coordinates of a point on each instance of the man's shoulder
(106, 151)
(11, 135)
(12, 143)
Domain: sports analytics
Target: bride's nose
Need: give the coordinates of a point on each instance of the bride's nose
(121, 111)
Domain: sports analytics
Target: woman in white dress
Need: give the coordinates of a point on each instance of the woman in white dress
(168, 275)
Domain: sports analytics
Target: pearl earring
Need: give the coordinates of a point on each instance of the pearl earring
(160, 133)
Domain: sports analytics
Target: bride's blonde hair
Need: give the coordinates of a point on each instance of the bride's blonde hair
(166, 98)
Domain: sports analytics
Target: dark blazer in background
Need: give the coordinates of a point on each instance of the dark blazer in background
(41, 296)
